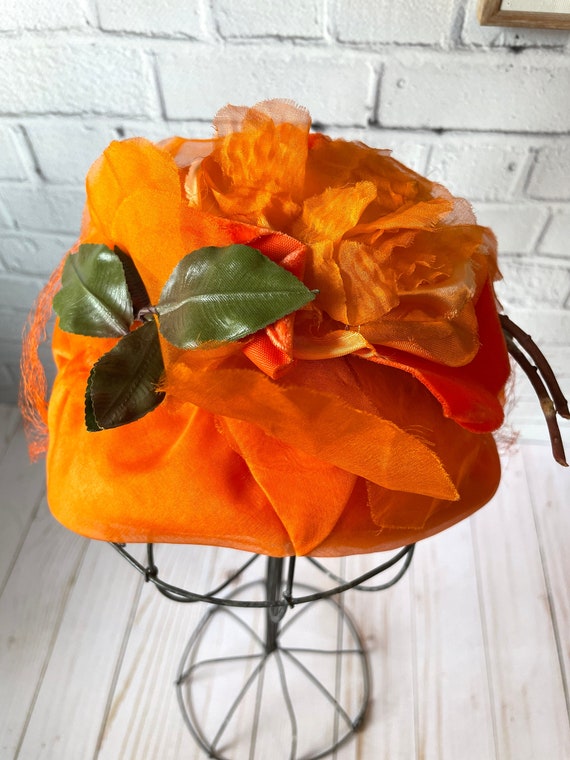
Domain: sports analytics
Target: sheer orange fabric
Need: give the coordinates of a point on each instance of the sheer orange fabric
(361, 422)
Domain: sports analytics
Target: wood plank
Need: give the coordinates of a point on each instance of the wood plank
(527, 691)
(23, 485)
(384, 619)
(72, 700)
(549, 487)
(9, 420)
(145, 719)
(31, 608)
(155, 647)
(454, 711)
(309, 638)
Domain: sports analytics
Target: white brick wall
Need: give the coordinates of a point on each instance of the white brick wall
(41, 15)
(556, 240)
(528, 92)
(49, 208)
(485, 111)
(414, 22)
(194, 82)
(12, 162)
(167, 18)
(549, 178)
(286, 18)
(75, 77)
(65, 149)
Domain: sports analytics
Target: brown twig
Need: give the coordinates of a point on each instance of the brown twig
(527, 343)
(546, 403)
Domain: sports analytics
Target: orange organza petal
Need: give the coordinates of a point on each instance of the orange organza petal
(472, 395)
(323, 274)
(147, 226)
(339, 163)
(255, 175)
(200, 229)
(422, 215)
(357, 533)
(452, 341)
(413, 408)
(335, 211)
(331, 345)
(307, 493)
(369, 281)
(232, 118)
(316, 422)
(125, 168)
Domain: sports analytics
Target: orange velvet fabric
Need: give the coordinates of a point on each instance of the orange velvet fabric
(362, 422)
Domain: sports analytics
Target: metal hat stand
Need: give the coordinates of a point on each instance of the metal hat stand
(279, 699)
(283, 705)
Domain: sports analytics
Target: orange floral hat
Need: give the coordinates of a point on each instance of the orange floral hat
(271, 340)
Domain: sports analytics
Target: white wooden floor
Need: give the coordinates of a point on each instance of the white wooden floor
(470, 652)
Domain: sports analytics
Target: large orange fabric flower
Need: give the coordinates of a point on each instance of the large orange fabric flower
(362, 421)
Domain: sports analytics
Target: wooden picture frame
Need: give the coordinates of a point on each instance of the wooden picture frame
(511, 13)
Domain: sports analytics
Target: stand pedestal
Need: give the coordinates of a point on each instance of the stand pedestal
(277, 669)
(286, 691)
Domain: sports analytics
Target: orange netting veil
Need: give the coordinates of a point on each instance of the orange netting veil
(270, 340)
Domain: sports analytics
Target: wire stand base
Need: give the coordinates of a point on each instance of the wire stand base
(294, 690)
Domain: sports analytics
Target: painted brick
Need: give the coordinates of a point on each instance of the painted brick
(550, 177)
(75, 78)
(18, 291)
(160, 130)
(286, 18)
(6, 221)
(494, 36)
(478, 169)
(547, 327)
(196, 84)
(384, 21)
(32, 254)
(172, 18)
(11, 165)
(559, 359)
(409, 150)
(556, 240)
(517, 226)
(153, 131)
(526, 93)
(66, 149)
(48, 208)
(43, 14)
(536, 282)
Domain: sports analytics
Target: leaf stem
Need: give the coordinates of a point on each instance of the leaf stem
(146, 313)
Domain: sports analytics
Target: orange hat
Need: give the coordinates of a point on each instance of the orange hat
(317, 365)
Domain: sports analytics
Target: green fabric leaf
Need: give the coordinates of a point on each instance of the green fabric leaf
(90, 421)
(216, 295)
(122, 384)
(94, 298)
(135, 285)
